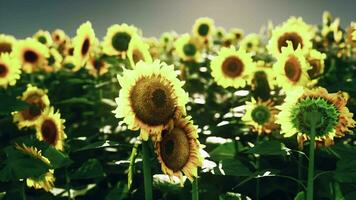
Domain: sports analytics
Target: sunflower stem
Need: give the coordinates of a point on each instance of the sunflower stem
(147, 171)
(195, 189)
(257, 169)
(310, 187)
(67, 183)
(300, 164)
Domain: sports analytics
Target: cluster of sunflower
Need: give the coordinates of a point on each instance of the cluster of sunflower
(283, 71)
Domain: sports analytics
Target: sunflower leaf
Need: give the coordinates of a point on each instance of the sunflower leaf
(92, 168)
(269, 148)
(10, 103)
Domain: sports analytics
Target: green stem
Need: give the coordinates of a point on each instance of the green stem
(257, 169)
(68, 183)
(195, 189)
(310, 187)
(300, 170)
(147, 171)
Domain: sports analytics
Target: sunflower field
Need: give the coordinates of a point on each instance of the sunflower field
(211, 114)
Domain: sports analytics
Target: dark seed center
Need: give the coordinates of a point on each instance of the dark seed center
(232, 67)
(293, 37)
(159, 97)
(121, 41)
(292, 69)
(3, 70)
(31, 56)
(203, 29)
(49, 132)
(42, 39)
(260, 114)
(189, 49)
(5, 48)
(85, 47)
(175, 149)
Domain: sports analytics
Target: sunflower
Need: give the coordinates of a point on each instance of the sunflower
(10, 70)
(332, 33)
(219, 33)
(43, 37)
(31, 53)
(154, 47)
(335, 119)
(138, 50)
(262, 80)
(69, 62)
(203, 28)
(167, 40)
(117, 39)
(238, 33)
(150, 97)
(50, 128)
(83, 44)
(231, 67)
(188, 48)
(46, 180)
(260, 115)
(294, 30)
(6, 43)
(38, 101)
(58, 36)
(179, 150)
(251, 43)
(97, 66)
(316, 61)
(54, 61)
(291, 67)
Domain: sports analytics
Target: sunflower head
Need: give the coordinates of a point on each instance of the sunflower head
(38, 101)
(10, 70)
(238, 33)
(54, 61)
(50, 128)
(291, 68)
(188, 48)
(178, 149)
(43, 37)
(306, 109)
(138, 50)
(251, 43)
(294, 30)
(316, 61)
(118, 38)
(46, 180)
(96, 66)
(83, 44)
(260, 116)
(6, 43)
(231, 67)
(58, 36)
(150, 97)
(203, 28)
(31, 53)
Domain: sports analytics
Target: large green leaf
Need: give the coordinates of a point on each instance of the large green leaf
(57, 158)
(92, 168)
(270, 148)
(10, 103)
(119, 192)
(232, 167)
(346, 171)
(223, 151)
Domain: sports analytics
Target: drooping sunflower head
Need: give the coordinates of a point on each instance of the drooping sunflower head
(251, 43)
(150, 97)
(97, 66)
(31, 53)
(203, 28)
(316, 61)
(178, 149)
(260, 116)
(291, 68)
(43, 37)
(58, 36)
(6, 43)
(117, 39)
(231, 67)
(38, 101)
(50, 128)
(83, 44)
(10, 70)
(138, 50)
(54, 61)
(188, 48)
(44, 181)
(294, 30)
(327, 111)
